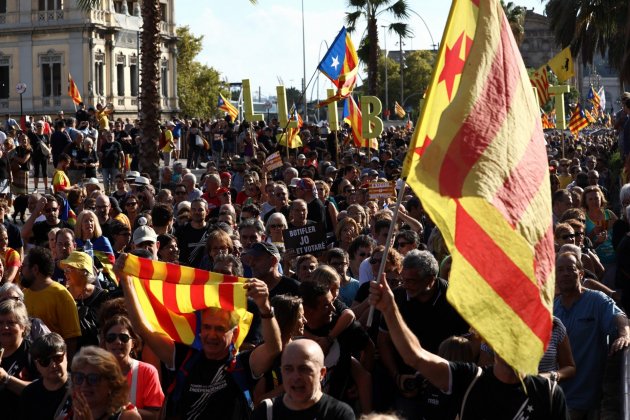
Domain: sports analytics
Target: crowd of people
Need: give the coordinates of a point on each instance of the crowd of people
(75, 342)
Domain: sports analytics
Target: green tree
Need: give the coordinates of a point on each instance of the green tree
(591, 27)
(371, 11)
(516, 18)
(198, 85)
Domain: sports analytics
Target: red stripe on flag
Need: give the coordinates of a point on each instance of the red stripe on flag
(161, 314)
(545, 261)
(485, 120)
(169, 294)
(500, 272)
(146, 268)
(226, 296)
(200, 277)
(524, 181)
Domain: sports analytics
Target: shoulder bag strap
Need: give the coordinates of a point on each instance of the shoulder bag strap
(470, 387)
(269, 406)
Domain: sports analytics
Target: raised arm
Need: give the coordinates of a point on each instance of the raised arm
(162, 345)
(429, 365)
(27, 229)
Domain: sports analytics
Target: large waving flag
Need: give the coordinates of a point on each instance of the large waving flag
(340, 65)
(594, 98)
(73, 91)
(226, 106)
(562, 65)
(578, 120)
(540, 81)
(479, 165)
(172, 297)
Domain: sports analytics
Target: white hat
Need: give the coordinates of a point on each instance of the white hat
(294, 182)
(141, 181)
(144, 234)
(91, 181)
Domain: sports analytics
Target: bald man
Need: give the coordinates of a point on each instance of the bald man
(302, 372)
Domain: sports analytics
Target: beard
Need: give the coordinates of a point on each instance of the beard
(26, 281)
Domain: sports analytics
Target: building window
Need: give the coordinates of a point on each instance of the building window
(3, 6)
(163, 12)
(4, 81)
(164, 78)
(50, 9)
(99, 59)
(50, 63)
(120, 73)
(133, 75)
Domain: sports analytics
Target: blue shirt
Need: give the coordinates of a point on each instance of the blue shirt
(348, 291)
(588, 322)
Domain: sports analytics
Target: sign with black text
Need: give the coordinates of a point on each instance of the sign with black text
(306, 239)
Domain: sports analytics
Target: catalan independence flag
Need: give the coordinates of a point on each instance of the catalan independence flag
(73, 91)
(468, 156)
(341, 66)
(594, 98)
(226, 106)
(172, 297)
(540, 81)
(578, 120)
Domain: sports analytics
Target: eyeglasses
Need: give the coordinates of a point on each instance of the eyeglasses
(131, 203)
(111, 337)
(91, 378)
(570, 236)
(45, 361)
(51, 209)
(579, 234)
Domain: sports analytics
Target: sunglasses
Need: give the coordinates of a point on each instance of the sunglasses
(46, 361)
(111, 337)
(131, 203)
(276, 226)
(91, 378)
(571, 236)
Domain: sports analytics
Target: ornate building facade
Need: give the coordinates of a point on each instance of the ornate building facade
(43, 41)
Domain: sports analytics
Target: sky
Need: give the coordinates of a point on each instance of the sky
(263, 42)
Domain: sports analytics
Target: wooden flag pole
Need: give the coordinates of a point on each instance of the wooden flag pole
(388, 245)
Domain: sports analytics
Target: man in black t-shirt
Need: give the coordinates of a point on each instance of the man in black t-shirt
(302, 371)
(496, 392)
(193, 236)
(264, 259)
(37, 232)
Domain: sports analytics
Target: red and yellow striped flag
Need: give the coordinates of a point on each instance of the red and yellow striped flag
(479, 165)
(226, 106)
(540, 81)
(73, 91)
(172, 297)
(578, 120)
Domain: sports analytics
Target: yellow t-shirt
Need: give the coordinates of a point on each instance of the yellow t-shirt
(168, 135)
(565, 180)
(55, 306)
(61, 182)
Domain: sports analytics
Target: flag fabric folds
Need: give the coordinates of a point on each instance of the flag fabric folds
(602, 98)
(478, 163)
(172, 297)
(562, 65)
(73, 91)
(546, 121)
(341, 66)
(291, 138)
(399, 110)
(540, 81)
(594, 98)
(578, 120)
(226, 106)
(591, 119)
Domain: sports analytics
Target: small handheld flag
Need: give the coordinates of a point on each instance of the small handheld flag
(226, 106)
(73, 91)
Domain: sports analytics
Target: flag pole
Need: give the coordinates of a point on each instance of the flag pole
(388, 245)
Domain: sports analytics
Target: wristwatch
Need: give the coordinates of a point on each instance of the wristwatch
(269, 315)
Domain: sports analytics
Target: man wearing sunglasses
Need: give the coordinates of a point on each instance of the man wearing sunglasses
(37, 232)
(49, 395)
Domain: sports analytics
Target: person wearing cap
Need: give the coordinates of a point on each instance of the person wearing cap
(263, 259)
(80, 280)
(300, 162)
(111, 157)
(91, 185)
(307, 191)
(145, 237)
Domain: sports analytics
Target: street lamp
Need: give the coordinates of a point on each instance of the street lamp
(386, 81)
(402, 62)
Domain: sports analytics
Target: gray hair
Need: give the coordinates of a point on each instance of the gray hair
(237, 267)
(17, 309)
(573, 249)
(255, 223)
(12, 287)
(423, 261)
(274, 218)
(624, 193)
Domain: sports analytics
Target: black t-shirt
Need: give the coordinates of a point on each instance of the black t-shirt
(41, 229)
(491, 399)
(85, 157)
(19, 365)
(14, 234)
(192, 244)
(73, 150)
(209, 391)
(36, 402)
(432, 322)
(327, 408)
(111, 154)
(286, 286)
(317, 212)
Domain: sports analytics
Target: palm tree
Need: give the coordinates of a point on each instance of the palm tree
(516, 18)
(591, 27)
(371, 10)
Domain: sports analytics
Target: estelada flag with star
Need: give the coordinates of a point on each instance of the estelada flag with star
(172, 297)
(340, 65)
(478, 164)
